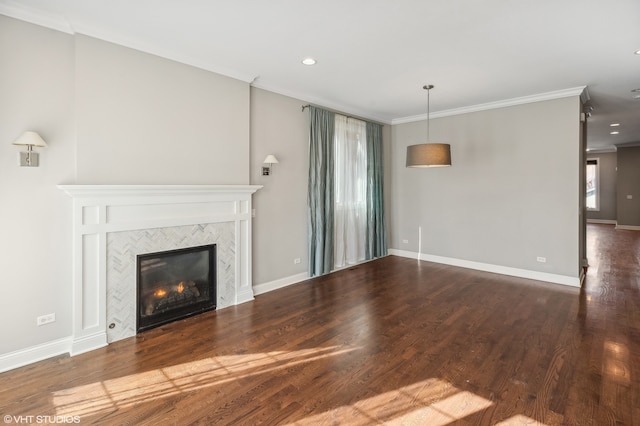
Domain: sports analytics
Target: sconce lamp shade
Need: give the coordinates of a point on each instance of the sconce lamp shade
(429, 155)
(271, 159)
(30, 139)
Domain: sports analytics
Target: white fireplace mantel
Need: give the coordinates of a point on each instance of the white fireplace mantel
(99, 210)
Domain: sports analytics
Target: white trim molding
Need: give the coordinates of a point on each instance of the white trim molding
(628, 227)
(99, 210)
(16, 10)
(33, 354)
(603, 221)
(486, 267)
(558, 94)
(279, 283)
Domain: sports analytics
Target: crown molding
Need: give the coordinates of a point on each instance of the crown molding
(14, 9)
(324, 103)
(168, 54)
(558, 94)
(605, 150)
(61, 23)
(627, 145)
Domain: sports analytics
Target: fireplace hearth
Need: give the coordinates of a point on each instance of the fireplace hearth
(175, 284)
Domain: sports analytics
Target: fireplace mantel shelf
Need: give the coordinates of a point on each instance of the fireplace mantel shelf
(137, 190)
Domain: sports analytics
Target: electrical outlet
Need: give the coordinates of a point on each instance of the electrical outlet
(405, 241)
(296, 260)
(541, 259)
(46, 319)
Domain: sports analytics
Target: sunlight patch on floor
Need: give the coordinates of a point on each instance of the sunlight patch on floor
(520, 420)
(123, 392)
(616, 362)
(432, 402)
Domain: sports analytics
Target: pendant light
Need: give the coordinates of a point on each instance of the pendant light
(429, 154)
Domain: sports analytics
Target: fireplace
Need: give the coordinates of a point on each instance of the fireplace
(112, 224)
(175, 284)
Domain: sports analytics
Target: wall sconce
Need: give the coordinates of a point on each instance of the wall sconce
(29, 158)
(270, 160)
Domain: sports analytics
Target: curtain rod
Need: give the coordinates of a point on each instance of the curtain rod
(344, 115)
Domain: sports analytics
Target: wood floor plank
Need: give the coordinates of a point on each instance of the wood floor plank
(393, 341)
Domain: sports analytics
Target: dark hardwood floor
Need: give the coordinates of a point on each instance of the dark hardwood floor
(394, 341)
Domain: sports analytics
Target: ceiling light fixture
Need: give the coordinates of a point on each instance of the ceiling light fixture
(614, 124)
(429, 154)
(637, 52)
(309, 61)
(614, 133)
(635, 90)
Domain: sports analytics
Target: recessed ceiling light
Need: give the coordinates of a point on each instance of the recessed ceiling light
(637, 52)
(614, 133)
(636, 97)
(614, 124)
(635, 90)
(309, 61)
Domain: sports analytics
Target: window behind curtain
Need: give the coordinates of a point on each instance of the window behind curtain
(345, 191)
(593, 196)
(350, 216)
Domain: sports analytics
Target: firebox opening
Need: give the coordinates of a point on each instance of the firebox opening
(175, 284)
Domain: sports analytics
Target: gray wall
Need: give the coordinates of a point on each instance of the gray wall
(503, 202)
(116, 115)
(36, 93)
(113, 115)
(607, 162)
(144, 119)
(279, 127)
(628, 184)
(110, 115)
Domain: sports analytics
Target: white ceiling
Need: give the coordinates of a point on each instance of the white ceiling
(374, 56)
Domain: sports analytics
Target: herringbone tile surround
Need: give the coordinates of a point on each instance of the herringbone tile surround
(123, 247)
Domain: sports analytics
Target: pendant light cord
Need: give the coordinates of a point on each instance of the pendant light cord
(428, 88)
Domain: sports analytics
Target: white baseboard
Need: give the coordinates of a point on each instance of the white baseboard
(294, 279)
(88, 343)
(279, 283)
(33, 354)
(37, 353)
(603, 221)
(497, 269)
(628, 227)
(405, 253)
